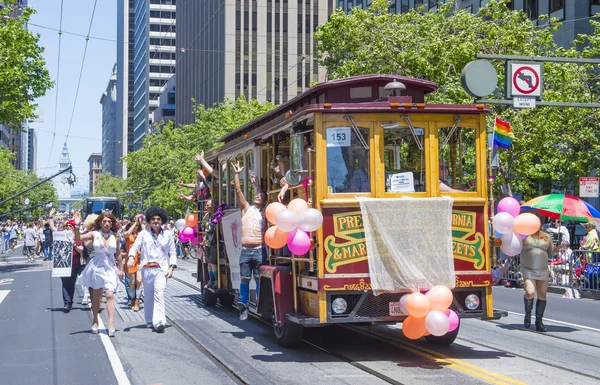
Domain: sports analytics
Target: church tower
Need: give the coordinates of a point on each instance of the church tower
(63, 189)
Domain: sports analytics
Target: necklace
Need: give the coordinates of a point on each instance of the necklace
(106, 235)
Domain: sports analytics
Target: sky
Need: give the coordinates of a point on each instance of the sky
(85, 135)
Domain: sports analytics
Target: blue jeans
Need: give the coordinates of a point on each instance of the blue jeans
(126, 282)
(250, 260)
(47, 251)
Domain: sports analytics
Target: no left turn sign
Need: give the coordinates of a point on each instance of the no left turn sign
(526, 79)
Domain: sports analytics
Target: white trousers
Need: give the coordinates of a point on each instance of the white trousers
(155, 284)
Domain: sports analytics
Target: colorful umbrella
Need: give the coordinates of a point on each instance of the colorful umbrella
(564, 207)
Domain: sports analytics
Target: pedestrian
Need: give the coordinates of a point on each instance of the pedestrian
(13, 231)
(47, 242)
(537, 248)
(102, 272)
(135, 275)
(88, 252)
(253, 253)
(29, 243)
(209, 242)
(68, 283)
(592, 242)
(158, 260)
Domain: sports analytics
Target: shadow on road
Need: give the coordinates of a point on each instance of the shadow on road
(551, 328)
(16, 267)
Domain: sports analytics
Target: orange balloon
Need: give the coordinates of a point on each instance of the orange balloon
(298, 205)
(414, 328)
(440, 298)
(527, 224)
(272, 210)
(276, 238)
(417, 305)
(191, 220)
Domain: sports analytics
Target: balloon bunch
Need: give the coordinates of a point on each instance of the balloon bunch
(219, 213)
(292, 225)
(512, 226)
(188, 229)
(428, 313)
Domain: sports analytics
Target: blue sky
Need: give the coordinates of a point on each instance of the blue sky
(85, 136)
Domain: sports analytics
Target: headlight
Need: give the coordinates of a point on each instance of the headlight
(472, 302)
(339, 305)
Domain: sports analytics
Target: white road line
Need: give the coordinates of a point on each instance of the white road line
(113, 357)
(556, 321)
(3, 294)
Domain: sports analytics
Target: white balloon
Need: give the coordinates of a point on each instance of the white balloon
(503, 223)
(180, 224)
(512, 244)
(403, 300)
(310, 220)
(287, 220)
(437, 323)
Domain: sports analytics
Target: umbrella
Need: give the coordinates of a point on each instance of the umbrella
(564, 207)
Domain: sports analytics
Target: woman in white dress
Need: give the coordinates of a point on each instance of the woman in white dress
(103, 270)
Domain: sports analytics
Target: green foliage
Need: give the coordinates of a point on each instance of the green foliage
(109, 186)
(553, 146)
(14, 181)
(167, 155)
(23, 73)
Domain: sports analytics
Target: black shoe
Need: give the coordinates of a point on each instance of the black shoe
(540, 308)
(66, 309)
(528, 309)
(160, 328)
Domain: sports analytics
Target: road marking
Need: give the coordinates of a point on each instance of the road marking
(556, 321)
(113, 357)
(6, 281)
(3, 294)
(446, 361)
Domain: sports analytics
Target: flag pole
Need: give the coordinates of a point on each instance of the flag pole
(490, 151)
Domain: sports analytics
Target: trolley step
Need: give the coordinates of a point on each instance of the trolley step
(303, 319)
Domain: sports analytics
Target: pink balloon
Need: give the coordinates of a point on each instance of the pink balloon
(454, 320)
(187, 234)
(182, 238)
(509, 205)
(298, 242)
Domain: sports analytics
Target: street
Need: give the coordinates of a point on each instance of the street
(41, 344)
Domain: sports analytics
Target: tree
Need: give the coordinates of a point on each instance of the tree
(109, 185)
(553, 146)
(168, 154)
(23, 73)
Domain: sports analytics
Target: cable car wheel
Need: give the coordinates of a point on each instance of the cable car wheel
(288, 334)
(446, 339)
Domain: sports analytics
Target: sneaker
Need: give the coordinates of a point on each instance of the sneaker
(160, 328)
(244, 313)
(85, 301)
(149, 325)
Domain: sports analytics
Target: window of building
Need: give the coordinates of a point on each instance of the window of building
(555, 5)
(404, 6)
(432, 4)
(531, 9)
(483, 3)
(594, 7)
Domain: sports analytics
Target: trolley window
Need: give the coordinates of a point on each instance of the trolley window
(348, 160)
(457, 159)
(404, 157)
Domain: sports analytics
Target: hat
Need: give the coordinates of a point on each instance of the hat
(71, 222)
(589, 224)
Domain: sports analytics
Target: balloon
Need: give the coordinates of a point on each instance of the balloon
(272, 210)
(403, 304)
(527, 224)
(503, 223)
(437, 323)
(453, 318)
(417, 305)
(182, 238)
(297, 205)
(194, 240)
(191, 220)
(512, 244)
(298, 242)
(187, 233)
(440, 298)
(287, 220)
(310, 220)
(509, 205)
(275, 237)
(414, 328)
(180, 224)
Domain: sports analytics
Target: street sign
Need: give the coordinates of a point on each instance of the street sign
(588, 187)
(526, 79)
(523, 102)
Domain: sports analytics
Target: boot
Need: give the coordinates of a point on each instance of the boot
(540, 308)
(135, 304)
(528, 309)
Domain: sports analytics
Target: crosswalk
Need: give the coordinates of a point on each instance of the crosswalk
(3, 294)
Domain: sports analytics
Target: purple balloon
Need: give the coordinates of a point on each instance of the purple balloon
(298, 242)
(509, 205)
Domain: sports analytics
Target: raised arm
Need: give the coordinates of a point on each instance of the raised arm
(238, 190)
(201, 161)
(186, 185)
(256, 182)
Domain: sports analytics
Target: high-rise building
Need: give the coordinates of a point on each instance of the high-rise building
(124, 111)
(574, 14)
(166, 103)
(95, 161)
(111, 143)
(153, 60)
(31, 150)
(262, 49)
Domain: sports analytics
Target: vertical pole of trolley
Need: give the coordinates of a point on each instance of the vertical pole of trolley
(490, 149)
(309, 193)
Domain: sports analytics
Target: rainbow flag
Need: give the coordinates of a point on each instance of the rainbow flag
(503, 135)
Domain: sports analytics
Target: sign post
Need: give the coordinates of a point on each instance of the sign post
(588, 187)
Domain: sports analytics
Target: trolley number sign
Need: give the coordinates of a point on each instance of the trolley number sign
(588, 187)
(339, 137)
(526, 79)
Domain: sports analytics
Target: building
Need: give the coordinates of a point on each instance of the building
(124, 109)
(31, 150)
(574, 14)
(266, 54)
(153, 60)
(95, 161)
(111, 143)
(166, 103)
(62, 182)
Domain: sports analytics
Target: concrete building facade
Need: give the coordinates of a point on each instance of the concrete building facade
(95, 162)
(266, 54)
(111, 143)
(154, 60)
(31, 150)
(166, 103)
